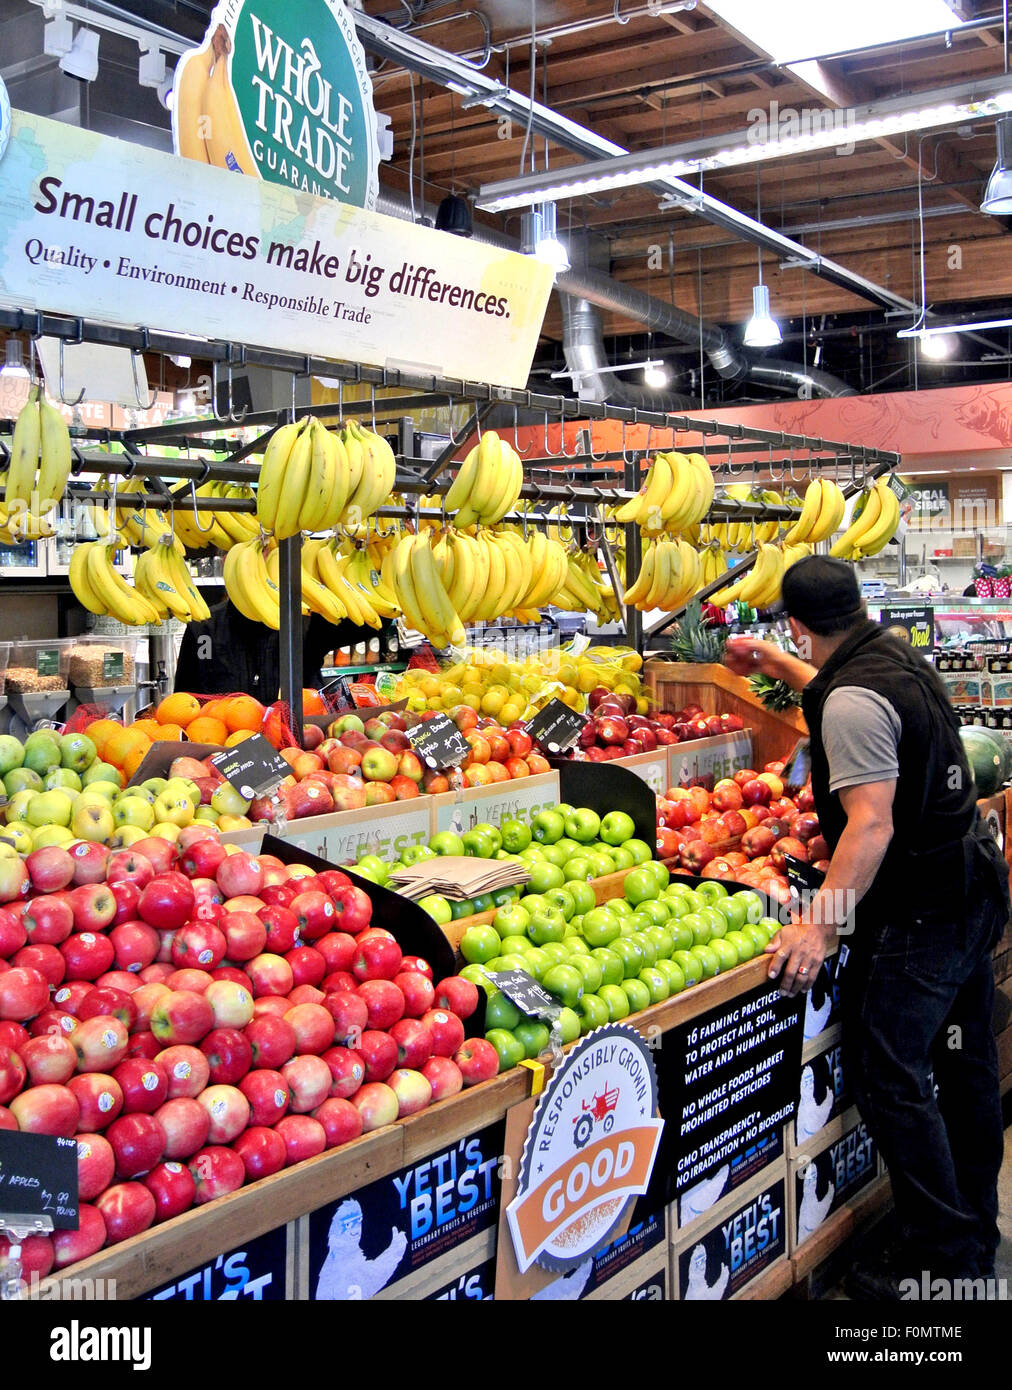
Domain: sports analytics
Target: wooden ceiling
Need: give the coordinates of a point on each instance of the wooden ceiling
(666, 78)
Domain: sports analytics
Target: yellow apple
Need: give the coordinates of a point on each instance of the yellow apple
(126, 835)
(50, 808)
(46, 835)
(166, 830)
(92, 820)
(134, 810)
(19, 833)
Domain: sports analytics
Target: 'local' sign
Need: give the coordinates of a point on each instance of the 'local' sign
(281, 92)
(589, 1152)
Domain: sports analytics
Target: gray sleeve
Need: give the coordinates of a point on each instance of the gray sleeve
(860, 733)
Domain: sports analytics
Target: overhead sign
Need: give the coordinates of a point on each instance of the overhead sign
(589, 1152)
(281, 92)
(103, 229)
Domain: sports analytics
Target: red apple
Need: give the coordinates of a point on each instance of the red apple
(48, 920)
(182, 1016)
(353, 910)
(303, 1137)
(49, 1058)
(459, 996)
(273, 1005)
(272, 1041)
(378, 1051)
(99, 1097)
(189, 978)
(96, 1164)
(87, 955)
(14, 1072)
(53, 1021)
(377, 1104)
(12, 933)
(127, 1208)
(185, 1124)
(418, 992)
(278, 894)
(167, 901)
(269, 974)
(229, 1055)
(377, 958)
(135, 945)
(447, 1032)
(414, 1042)
(313, 1026)
(90, 861)
(262, 1151)
(416, 965)
(216, 1171)
(100, 1043)
(231, 1003)
(268, 1095)
(144, 1083)
(695, 855)
(127, 894)
(239, 875)
(309, 1081)
(477, 1060)
(340, 1120)
(138, 1142)
(173, 1188)
(47, 1109)
(788, 846)
(347, 1070)
(339, 982)
(203, 858)
(187, 1069)
(50, 869)
(412, 1089)
(350, 1014)
(69, 1247)
(246, 935)
(47, 960)
(307, 964)
(199, 945)
(384, 1002)
(127, 866)
(229, 1111)
(757, 841)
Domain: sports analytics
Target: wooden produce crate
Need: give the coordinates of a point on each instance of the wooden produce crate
(673, 684)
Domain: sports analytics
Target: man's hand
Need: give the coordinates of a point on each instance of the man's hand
(747, 656)
(798, 950)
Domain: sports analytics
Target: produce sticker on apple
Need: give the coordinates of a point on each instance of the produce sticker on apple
(589, 1152)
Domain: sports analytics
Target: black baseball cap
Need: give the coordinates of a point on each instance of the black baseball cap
(820, 589)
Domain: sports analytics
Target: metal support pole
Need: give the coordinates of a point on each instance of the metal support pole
(633, 560)
(290, 635)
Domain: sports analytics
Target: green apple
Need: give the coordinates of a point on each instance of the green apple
(446, 842)
(532, 1036)
(742, 943)
(590, 971)
(154, 786)
(516, 836)
(619, 907)
(511, 921)
(578, 869)
(532, 854)
(617, 828)
(656, 982)
(563, 900)
(50, 808)
(44, 836)
(621, 858)
(663, 940)
(43, 751)
(369, 871)
(506, 897)
(565, 982)
(519, 946)
(17, 806)
(77, 752)
(62, 778)
(564, 809)
(725, 952)
(708, 959)
(754, 906)
(601, 863)
(682, 934)
(553, 953)
(548, 827)
(582, 825)
(437, 907)
(102, 791)
(376, 868)
(717, 920)
(701, 929)
(480, 944)
(679, 906)
(175, 807)
(617, 1002)
(503, 964)
(483, 903)
(476, 974)
(569, 1025)
(637, 993)
(12, 753)
(710, 890)
(22, 779)
(593, 1013)
(93, 820)
(148, 796)
(574, 930)
(134, 810)
(674, 975)
(205, 814)
(493, 832)
(461, 909)
(555, 855)
(567, 848)
(677, 889)
(647, 947)
(690, 965)
(640, 850)
(600, 926)
(612, 968)
(657, 909)
(640, 885)
(575, 945)
(583, 895)
(413, 854)
(478, 844)
(510, 1049)
(536, 961)
(19, 835)
(545, 876)
(105, 772)
(630, 953)
(501, 1012)
(546, 924)
(224, 799)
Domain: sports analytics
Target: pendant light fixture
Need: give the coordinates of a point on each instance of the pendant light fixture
(453, 214)
(762, 329)
(998, 194)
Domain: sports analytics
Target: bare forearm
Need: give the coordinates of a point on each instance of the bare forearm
(791, 669)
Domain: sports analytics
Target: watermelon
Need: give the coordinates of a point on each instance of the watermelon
(986, 756)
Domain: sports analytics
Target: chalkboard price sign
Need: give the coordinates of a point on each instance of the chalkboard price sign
(524, 991)
(38, 1177)
(253, 767)
(439, 743)
(556, 727)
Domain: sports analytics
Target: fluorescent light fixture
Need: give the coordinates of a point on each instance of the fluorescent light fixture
(14, 365)
(151, 70)
(775, 133)
(82, 60)
(762, 329)
(793, 30)
(975, 326)
(938, 346)
(998, 194)
(656, 375)
(539, 238)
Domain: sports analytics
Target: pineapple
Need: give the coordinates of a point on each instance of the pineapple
(775, 695)
(693, 639)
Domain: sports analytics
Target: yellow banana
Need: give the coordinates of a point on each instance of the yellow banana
(224, 135)
(24, 461)
(272, 472)
(55, 453)
(858, 529)
(297, 478)
(192, 72)
(83, 591)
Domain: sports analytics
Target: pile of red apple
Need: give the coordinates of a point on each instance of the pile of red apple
(200, 1018)
(743, 830)
(615, 730)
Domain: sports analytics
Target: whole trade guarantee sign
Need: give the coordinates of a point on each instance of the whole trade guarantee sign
(589, 1152)
(281, 92)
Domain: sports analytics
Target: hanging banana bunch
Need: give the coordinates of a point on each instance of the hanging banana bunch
(37, 473)
(100, 589)
(250, 584)
(160, 574)
(677, 493)
(488, 483)
(760, 587)
(821, 513)
(874, 526)
(421, 595)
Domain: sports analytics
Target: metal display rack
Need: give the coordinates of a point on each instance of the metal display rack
(585, 478)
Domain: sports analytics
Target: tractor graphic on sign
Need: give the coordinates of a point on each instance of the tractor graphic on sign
(599, 1111)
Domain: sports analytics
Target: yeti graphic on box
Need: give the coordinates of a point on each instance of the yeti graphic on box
(346, 1273)
(814, 1209)
(696, 1286)
(568, 1286)
(812, 1115)
(695, 1200)
(817, 1018)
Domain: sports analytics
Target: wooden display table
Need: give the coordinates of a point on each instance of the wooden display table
(674, 684)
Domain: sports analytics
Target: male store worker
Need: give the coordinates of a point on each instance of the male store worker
(897, 805)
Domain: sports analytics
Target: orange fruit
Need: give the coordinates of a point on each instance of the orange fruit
(206, 729)
(243, 712)
(312, 702)
(148, 727)
(215, 709)
(99, 730)
(168, 733)
(122, 743)
(238, 737)
(179, 709)
(133, 760)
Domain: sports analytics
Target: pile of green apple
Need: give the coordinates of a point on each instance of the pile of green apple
(605, 962)
(58, 791)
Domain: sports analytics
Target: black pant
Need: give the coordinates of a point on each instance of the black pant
(917, 1000)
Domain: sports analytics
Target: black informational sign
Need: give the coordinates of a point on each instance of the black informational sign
(255, 1271)
(439, 743)
(380, 1233)
(253, 767)
(727, 1080)
(524, 991)
(112, 667)
(337, 693)
(556, 727)
(917, 623)
(822, 1001)
(477, 1284)
(38, 1177)
(735, 1171)
(832, 1179)
(802, 879)
(736, 1249)
(798, 767)
(654, 1289)
(605, 1264)
(823, 1095)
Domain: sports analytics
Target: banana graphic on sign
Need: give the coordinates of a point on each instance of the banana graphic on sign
(208, 124)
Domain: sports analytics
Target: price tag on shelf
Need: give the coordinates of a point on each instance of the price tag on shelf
(556, 727)
(802, 879)
(47, 661)
(254, 767)
(524, 991)
(439, 743)
(38, 1177)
